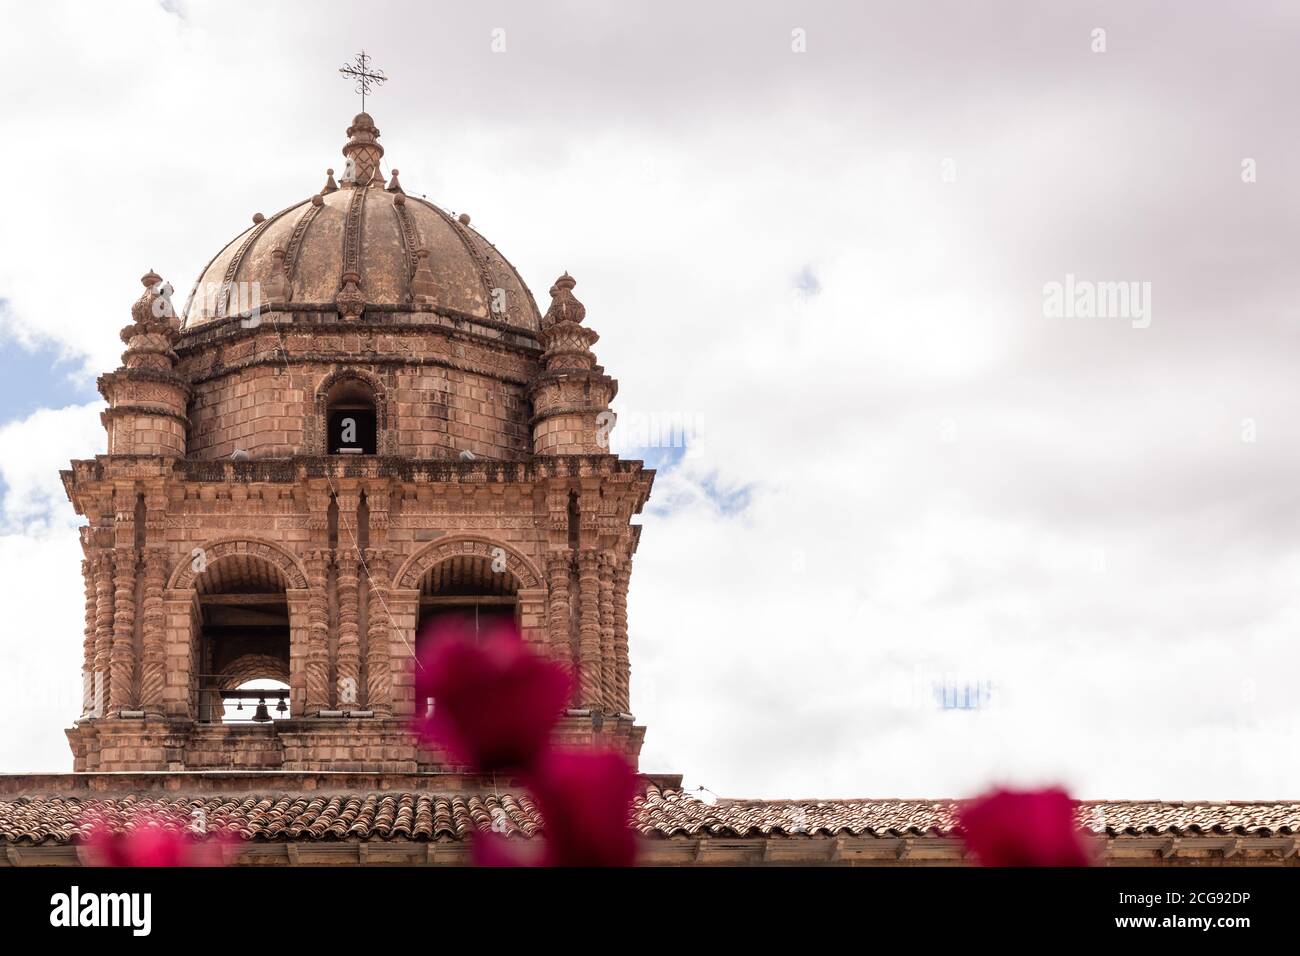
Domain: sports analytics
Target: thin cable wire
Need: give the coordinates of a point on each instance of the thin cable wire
(284, 357)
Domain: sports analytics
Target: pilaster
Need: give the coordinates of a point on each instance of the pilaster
(622, 664)
(589, 662)
(608, 668)
(314, 696)
(348, 662)
(153, 665)
(379, 692)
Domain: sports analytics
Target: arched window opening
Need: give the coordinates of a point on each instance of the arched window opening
(466, 596)
(351, 422)
(242, 641)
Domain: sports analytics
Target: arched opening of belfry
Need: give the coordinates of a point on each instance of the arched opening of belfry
(479, 593)
(241, 641)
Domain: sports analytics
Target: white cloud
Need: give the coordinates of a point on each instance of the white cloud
(41, 591)
(32, 452)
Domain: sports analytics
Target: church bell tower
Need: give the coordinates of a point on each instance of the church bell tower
(359, 421)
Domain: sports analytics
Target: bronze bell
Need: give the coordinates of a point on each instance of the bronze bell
(261, 715)
(282, 707)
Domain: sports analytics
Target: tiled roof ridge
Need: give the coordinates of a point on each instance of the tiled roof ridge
(370, 814)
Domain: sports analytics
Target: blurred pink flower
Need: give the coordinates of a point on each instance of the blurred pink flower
(585, 799)
(493, 849)
(152, 839)
(1023, 828)
(495, 704)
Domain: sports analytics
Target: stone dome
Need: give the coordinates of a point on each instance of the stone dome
(363, 246)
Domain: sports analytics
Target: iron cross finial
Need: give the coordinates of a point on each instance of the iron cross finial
(360, 71)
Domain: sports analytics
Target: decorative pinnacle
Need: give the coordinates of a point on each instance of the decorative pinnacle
(564, 305)
(362, 151)
(153, 329)
(155, 302)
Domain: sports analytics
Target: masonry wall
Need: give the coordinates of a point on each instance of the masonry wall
(261, 410)
(145, 434)
(437, 393)
(278, 516)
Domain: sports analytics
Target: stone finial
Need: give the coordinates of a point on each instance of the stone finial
(423, 288)
(363, 149)
(393, 185)
(463, 219)
(154, 329)
(564, 305)
(572, 392)
(277, 285)
(566, 341)
(258, 218)
(155, 302)
(330, 186)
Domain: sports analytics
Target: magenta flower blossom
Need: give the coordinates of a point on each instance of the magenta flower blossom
(1023, 828)
(153, 840)
(494, 850)
(585, 798)
(495, 704)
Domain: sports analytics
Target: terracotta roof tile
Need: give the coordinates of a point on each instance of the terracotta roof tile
(659, 812)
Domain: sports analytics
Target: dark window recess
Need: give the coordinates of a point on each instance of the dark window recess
(352, 431)
(468, 621)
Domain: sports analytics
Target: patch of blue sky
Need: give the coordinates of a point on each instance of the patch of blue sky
(38, 376)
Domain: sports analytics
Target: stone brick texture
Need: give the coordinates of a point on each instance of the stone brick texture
(218, 480)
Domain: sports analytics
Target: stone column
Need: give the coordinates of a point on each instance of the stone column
(589, 673)
(622, 664)
(103, 627)
(316, 677)
(559, 568)
(88, 642)
(348, 664)
(153, 664)
(607, 667)
(122, 660)
(379, 692)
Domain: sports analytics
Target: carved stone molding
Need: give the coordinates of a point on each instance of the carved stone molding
(417, 564)
(294, 575)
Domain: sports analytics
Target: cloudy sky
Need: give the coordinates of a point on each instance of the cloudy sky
(823, 237)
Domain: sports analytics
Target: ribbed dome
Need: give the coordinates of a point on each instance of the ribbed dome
(375, 232)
